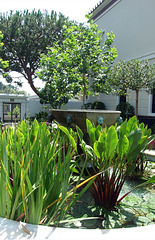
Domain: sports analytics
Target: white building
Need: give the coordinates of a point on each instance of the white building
(132, 22)
(15, 107)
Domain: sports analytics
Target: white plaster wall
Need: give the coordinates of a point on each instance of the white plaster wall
(132, 22)
(23, 110)
(142, 101)
(34, 106)
(110, 101)
(73, 104)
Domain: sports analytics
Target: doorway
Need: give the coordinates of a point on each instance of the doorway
(11, 112)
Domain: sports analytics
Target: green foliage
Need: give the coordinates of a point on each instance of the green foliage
(36, 173)
(127, 110)
(131, 75)
(67, 69)
(98, 105)
(3, 64)
(16, 111)
(59, 77)
(114, 150)
(10, 89)
(42, 116)
(26, 35)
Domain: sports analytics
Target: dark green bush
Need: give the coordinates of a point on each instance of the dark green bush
(98, 105)
(127, 110)
(42, 116)
(87, 105)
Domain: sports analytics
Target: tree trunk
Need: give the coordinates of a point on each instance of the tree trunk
(137, 91)
(28, 75)
(84, 92)
(30, 81)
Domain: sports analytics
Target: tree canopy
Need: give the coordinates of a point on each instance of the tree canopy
(26, 35)
(67, 70)
(131, 75)
(3, 64)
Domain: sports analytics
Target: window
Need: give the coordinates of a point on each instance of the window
(153, 101)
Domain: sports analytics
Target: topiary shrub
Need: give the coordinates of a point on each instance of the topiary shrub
(98, 105)
(127, 110)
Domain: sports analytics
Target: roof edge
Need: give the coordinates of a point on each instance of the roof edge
(101, 7)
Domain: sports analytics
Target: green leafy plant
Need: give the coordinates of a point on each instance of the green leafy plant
(66, 69)
(127, 110)
(16, 111)
(36, 173)
(3, 64)
(115, 149)
(41, 116)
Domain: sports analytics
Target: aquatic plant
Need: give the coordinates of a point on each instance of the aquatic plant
(36, 173)
(114, 150)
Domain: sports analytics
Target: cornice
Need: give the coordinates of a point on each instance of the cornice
(101, 7)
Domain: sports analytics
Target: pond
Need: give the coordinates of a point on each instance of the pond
(136, 209)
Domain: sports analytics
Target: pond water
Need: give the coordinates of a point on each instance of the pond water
(136, 209)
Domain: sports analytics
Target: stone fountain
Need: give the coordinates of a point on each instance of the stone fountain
(78, 117)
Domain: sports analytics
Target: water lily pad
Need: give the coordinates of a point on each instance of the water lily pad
(151, 216)
(143, 221)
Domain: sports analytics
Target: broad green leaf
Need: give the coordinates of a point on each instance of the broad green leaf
(98, 132)
(111, 142)
(123, 145)
(91, 131)
(99, 149)
(134, 138)
(132, 124)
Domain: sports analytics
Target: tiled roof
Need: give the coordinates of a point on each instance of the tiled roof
(98, 4)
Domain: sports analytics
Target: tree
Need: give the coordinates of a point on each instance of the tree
(131, 75)
(67, 70)
(26, 35)
(3, 64)
(10, 89)
(57, 72)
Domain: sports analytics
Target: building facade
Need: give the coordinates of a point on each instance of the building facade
(132, 22)
(15, 107)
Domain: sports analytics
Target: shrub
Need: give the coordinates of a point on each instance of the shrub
(87, 105)
(127, 110)
(42, 116)
(98, 105)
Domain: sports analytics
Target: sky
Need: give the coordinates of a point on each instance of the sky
(74, 9)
